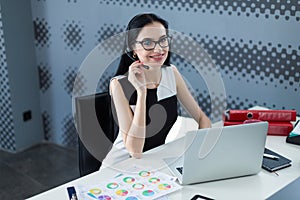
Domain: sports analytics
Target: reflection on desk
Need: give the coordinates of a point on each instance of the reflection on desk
(290, 192)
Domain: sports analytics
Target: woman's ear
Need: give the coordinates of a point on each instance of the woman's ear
(134, 55)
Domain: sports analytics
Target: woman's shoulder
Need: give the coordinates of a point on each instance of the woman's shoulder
(115, 82)
(121, 83)
(118, 77)
(177, 76)
(172, 70)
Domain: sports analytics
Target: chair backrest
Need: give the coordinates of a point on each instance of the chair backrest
(95, 126)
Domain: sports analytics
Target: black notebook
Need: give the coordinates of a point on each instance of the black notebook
(275, 164)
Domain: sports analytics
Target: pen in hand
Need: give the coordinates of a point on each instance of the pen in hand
(271, 156)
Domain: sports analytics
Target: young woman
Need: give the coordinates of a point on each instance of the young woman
(146, 88)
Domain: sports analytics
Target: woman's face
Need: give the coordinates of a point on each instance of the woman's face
(149, 33)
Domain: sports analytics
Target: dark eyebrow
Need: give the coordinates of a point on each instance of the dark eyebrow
(163, 36)
(144, 39)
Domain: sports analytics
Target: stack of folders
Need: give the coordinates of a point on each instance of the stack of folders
(279, 120)
(273, 161)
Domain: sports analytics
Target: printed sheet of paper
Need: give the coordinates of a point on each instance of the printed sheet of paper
(134, 185)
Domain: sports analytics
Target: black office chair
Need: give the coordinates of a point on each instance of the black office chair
(96, 130)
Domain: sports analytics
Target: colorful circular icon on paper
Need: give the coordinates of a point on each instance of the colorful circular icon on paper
(131, 198)
(112, 185)
(144, 173)
(138, 186)
(164, 186)
(104, 197)
(95, 191)
(154, 180)
(148, 193)
(122, 192)
(128, 179)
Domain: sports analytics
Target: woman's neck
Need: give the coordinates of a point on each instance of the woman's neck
(153, 77)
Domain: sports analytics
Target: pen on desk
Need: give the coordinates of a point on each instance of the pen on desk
(271, 156)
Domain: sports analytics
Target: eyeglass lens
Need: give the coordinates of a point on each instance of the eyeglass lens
(150, 44)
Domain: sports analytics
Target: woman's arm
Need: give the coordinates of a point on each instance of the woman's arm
(189, 102)
(132, 127)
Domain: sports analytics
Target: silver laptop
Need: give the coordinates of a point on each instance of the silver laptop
(220, 153)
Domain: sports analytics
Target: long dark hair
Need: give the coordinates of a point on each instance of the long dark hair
(133, 29)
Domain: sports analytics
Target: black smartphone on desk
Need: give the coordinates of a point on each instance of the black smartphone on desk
(294, 136)
(200, 197)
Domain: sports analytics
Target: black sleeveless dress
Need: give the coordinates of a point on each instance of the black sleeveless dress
(161, 114)
(161, 107)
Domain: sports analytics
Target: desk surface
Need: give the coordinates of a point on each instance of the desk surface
(259, 186)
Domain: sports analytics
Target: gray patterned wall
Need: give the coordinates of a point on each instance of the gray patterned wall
(20, 115)
(254, 44)
(7, 129)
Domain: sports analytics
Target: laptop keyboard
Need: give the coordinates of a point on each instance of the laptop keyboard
(180, 169)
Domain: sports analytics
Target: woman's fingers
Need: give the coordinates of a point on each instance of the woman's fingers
(136, 75)
(136, 68)
(136, 65)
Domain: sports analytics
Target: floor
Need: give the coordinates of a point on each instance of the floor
(35, 170)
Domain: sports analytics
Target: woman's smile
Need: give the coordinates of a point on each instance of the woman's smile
(158, 57)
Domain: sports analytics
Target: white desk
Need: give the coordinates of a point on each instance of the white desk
(256, 187)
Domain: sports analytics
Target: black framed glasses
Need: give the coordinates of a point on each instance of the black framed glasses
(149, 44)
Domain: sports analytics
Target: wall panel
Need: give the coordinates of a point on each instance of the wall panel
(254, 44)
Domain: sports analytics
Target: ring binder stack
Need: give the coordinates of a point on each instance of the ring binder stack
(279, 120)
